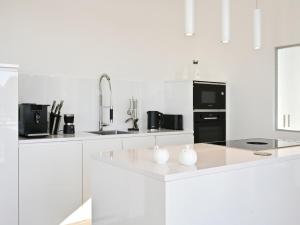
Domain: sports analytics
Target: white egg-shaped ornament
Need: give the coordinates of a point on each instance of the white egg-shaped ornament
(187, 156)
(160, 155)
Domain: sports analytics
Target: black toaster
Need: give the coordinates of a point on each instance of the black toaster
(33, 120)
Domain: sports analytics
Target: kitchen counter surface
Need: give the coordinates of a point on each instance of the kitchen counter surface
(82, 136)
(211, 159)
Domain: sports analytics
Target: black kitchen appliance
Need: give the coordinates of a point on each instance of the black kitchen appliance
(257, 144)
(33, 120)
(209, 95)
(154, 120)
(209, 126)
(172, 122)
(209, 103)
(69, 127)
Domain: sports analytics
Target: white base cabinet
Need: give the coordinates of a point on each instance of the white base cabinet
(89, 148)
(176, 139)
(54, 177)
(138, 142)
(50, 182)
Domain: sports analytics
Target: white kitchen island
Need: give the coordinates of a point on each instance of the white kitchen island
(227, 186)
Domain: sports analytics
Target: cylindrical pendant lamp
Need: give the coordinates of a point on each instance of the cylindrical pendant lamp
(225, 21)
(189, 17)
(257, 27)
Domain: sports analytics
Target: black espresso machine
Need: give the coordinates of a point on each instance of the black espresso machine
(33, 120)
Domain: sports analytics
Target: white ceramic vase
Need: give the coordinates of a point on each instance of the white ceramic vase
(187, 156)
(160, 155)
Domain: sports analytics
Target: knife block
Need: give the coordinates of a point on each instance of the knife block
(54, 123)
(57, 119)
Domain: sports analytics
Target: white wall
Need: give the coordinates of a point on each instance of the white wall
(62, 47)
(143, 40)
(132, 39)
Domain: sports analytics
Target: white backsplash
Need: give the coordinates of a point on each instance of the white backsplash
(81, 98)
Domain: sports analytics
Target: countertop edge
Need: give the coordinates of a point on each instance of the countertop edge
(228, 168)
(85, 136)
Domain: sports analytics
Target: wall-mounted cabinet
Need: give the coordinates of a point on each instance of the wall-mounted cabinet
(287, 88)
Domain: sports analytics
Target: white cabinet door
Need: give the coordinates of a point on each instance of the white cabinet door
(288, 92)
(90, 148)
(138, 142)
(176, 139)
(50, 182)
(8, 145)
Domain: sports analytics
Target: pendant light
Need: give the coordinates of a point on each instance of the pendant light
(257, 27)
(225, 21)
(189, 17)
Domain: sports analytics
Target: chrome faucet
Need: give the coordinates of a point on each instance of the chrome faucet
(110, 107)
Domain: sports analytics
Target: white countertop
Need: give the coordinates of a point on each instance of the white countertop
(211, 159)
(82, 136)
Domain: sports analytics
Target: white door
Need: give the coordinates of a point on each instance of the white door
(8, 145)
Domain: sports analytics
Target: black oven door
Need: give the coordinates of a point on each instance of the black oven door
(209, 95)
(209, 127)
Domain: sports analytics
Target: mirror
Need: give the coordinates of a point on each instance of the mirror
(288, 88)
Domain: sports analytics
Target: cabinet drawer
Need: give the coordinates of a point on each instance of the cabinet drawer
(138, 142)
(177, 139)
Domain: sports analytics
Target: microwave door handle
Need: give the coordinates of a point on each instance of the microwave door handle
(210, 118)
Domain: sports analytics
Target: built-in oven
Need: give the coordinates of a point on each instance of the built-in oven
(209, 126)
(209, 95)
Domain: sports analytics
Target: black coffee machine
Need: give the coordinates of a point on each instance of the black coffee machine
(154, 120)
(33, 120)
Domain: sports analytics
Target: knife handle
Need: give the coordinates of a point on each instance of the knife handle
(51, 122)
(56, 125)
(111, 115)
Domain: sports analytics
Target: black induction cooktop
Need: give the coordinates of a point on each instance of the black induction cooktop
(257, 144)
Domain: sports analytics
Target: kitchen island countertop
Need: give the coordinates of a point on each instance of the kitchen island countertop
(211, 159)
(227, 186)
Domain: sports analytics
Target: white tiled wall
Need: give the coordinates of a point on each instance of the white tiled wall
(81, 97)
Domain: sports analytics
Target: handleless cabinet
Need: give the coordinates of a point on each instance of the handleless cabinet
(138, 142)
(176, 139)
(50, 182)
(8, 144)
(90, 148)
(55, 176)
(287, 87)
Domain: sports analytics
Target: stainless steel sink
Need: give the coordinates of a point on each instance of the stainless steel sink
(109, 132)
